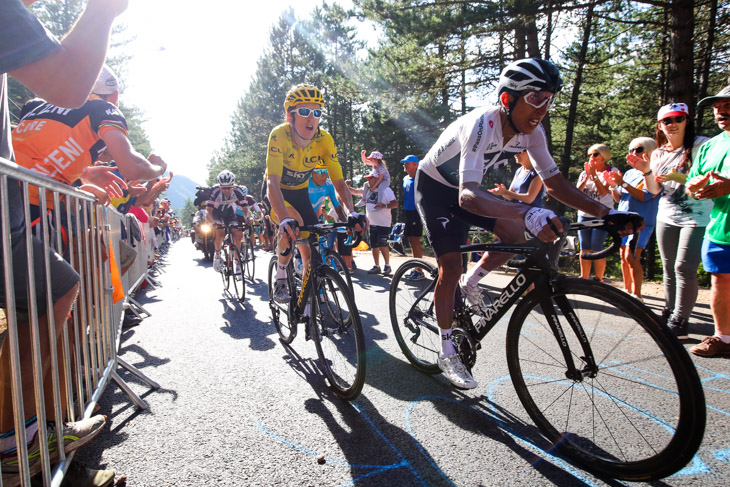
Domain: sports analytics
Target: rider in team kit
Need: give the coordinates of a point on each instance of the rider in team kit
(296, 148)
(452, 170)
(221, 209)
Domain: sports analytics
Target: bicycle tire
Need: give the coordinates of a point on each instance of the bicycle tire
(225, 274)
(338, 334)
(335, 261)
(280, 312)
(239, 283)
(642, 415)
(413, 320)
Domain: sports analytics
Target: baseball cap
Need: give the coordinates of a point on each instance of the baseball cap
(724, 94)
(369, 176)
(410, 158)
(673, 110)
(375, 155)
(106, 83)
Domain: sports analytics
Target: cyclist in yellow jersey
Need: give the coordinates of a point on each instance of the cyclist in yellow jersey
(295, 149)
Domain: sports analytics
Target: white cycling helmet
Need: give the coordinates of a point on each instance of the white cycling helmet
(226, 178)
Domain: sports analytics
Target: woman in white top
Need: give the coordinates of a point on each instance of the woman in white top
(594, 184)
(681, 220)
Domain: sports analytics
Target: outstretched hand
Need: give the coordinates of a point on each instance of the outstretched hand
(104, 178)
(719, 187)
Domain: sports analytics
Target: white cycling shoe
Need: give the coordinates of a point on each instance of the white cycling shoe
(473, 294)
(454, 370)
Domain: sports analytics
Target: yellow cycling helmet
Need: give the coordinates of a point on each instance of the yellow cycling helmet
(303, 93)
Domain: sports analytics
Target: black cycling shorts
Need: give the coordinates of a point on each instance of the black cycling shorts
(299, 200)
(436, 204)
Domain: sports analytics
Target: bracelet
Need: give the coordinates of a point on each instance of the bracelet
(647, 172)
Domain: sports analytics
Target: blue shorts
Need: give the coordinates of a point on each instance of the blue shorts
(591, 238)
(715, 257)
(644, 237)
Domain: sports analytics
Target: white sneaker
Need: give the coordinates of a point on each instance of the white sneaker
(455, 371)
(472, 293)
(217, 262)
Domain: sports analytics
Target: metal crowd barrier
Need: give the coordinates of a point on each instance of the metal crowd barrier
(90, 338)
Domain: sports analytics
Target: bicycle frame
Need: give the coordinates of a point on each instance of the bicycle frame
(537, 270)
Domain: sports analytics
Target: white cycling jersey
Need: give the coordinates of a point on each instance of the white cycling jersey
(472, 145)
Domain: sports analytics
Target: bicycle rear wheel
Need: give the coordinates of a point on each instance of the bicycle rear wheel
(280, 312)
(335, 261)
(639, 415)
(413, 316)
(338, 335)
(249, 264)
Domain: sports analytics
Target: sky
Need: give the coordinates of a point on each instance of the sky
(180, 47)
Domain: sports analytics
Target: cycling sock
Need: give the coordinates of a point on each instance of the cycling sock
(280, 271)
(724, 338)
(447, 346)
(475, 274)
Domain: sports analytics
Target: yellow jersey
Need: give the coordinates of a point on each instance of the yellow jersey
(295, 165)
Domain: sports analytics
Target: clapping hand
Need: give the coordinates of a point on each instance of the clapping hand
(701, 187)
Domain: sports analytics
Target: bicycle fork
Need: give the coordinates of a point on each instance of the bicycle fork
(572, 373)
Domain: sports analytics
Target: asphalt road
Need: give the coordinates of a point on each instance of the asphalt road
(236, 407)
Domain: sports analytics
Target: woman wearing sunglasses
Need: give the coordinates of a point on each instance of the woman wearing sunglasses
(681, 220)
(630, 192)
(592, 181)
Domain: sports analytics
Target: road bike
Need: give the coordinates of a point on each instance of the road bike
(323, 302)
(598, 373)
(230, 262)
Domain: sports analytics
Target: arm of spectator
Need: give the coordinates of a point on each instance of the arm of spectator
(675, 176)
(66, 77)
(104, 177)
(132, 164)
(137, 189)
(392, 204)
(102, 196)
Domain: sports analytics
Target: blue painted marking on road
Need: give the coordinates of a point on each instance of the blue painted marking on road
(722, 455)
(697, 467)
(540, 451)
(391, 445)
(409, 410)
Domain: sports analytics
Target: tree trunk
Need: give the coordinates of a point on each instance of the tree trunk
(681, 60)
(573, 110)
(706, 63)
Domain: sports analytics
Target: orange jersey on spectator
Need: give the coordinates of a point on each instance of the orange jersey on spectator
(61, 142)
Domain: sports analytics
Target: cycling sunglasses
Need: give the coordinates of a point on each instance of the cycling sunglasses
(671, 120)
(304, 112)
(320, 171)
(538, 99)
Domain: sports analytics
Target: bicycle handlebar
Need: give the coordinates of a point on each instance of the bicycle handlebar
(601, 224)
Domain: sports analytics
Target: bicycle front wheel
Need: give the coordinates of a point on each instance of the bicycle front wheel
(335, 261)
(280, 314)
(413, 316)
(236, 274)
(338, 335)
(638, 414)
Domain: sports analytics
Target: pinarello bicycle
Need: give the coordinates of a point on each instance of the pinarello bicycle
(598, 373)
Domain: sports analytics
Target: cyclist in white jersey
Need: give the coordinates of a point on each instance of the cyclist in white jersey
(453, 169)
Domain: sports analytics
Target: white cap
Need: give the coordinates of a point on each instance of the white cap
(106, 83)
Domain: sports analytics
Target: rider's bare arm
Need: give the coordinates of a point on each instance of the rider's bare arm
(474, 200)
(344, 194)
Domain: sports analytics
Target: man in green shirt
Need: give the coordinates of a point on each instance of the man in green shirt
(709, 178)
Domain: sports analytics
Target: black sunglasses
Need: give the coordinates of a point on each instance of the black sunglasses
(671, 120)
(636, 150)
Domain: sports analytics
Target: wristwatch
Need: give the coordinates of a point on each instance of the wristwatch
(624, 184)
